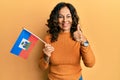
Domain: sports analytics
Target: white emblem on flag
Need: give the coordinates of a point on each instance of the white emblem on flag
(24, 44)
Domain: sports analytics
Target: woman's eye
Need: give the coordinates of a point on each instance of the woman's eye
(60, 16)
(68, 16)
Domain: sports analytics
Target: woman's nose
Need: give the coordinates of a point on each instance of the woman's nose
(64, 19)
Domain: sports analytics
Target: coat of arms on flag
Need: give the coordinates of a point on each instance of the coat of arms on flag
(24, 44)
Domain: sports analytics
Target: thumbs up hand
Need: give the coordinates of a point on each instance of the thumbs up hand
(78, 35)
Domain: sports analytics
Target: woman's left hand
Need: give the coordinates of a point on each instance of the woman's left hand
(78, 35)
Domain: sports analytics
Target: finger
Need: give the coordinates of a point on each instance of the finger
(47, 45)
(50, 48)
(79, 28)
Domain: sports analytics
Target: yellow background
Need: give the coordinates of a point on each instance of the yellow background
(100, 20)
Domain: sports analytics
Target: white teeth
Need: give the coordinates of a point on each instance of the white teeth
(65, 23)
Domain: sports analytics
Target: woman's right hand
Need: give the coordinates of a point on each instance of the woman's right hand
(48, 49)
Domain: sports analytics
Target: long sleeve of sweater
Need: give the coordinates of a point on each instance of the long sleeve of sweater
(43, 63)
(87, 56)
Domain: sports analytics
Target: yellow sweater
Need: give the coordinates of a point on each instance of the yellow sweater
(65, 60)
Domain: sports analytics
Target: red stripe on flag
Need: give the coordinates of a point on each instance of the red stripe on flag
(24, 53)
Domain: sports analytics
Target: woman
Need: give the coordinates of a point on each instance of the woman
(65, 45)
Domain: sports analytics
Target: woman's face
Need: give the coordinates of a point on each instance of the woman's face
(65, 19)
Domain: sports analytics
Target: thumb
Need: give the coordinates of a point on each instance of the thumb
(78, 28)
(46, 44)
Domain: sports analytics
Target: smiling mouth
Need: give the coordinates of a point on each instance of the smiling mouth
(65, 24)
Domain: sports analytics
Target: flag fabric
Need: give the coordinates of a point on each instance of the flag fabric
(24, 44)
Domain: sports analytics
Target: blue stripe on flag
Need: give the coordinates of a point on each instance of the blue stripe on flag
(16, 50)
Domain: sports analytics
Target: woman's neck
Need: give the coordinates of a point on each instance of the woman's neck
(64, 31)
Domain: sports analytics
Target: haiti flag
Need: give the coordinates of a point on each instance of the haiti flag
(24, 44)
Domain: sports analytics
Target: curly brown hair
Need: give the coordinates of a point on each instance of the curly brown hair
(53, 26)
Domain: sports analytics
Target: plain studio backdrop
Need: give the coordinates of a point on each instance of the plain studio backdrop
(100, 22)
